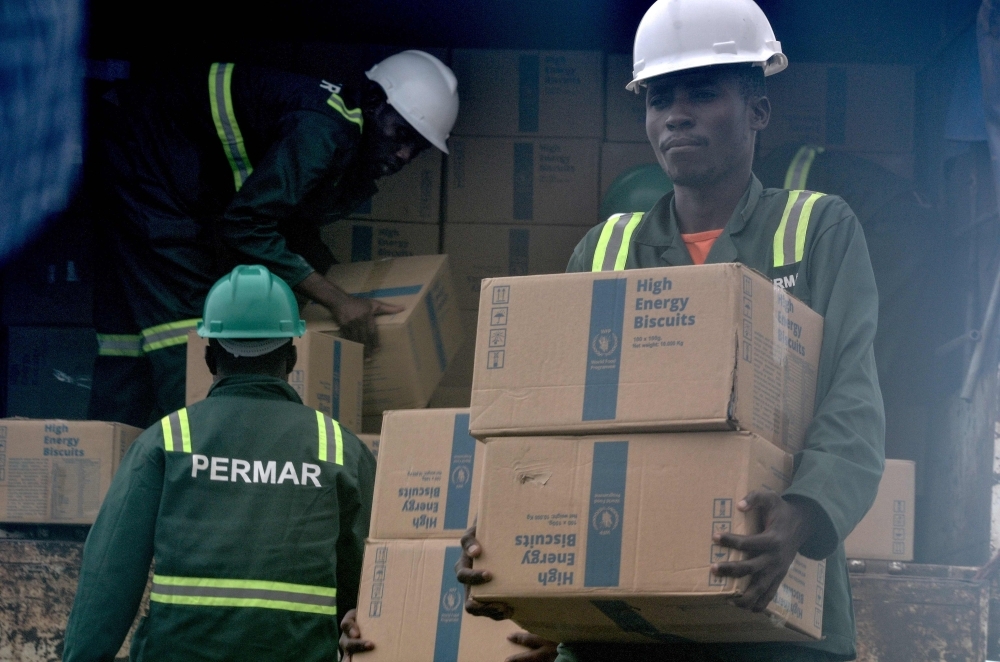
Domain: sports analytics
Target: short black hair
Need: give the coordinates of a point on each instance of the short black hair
(751, 80)
(265, 364)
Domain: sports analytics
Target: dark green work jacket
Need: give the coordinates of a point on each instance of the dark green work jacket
(811, 245)
(254, 509)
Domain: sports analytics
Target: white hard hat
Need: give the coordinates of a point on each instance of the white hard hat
(421, 89)
(675, 35)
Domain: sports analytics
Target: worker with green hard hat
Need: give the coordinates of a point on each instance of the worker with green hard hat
(251, 507)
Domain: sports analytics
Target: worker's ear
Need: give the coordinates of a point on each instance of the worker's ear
(759, 111)
(213, 365)
(293, 358)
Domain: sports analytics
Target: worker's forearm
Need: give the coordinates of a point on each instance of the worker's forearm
(322, 291)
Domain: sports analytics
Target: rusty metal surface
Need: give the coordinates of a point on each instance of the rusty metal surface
(38, 580)
(908, 612)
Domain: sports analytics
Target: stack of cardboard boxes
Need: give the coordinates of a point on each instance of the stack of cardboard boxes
(426, 496)
(523, 173)
(625, 415)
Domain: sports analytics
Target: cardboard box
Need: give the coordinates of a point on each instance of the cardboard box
(57, 472)
(480, 251)
(412, 607)
(709, 347)
(363, 241)
(625, 112)
(610, 538)
(328, 375)
(886, 532)
(857, 107)
(529, 93)
(451, 397)
(372, 441)
(461, 368)
(430, 470)
(413, 194)
(513, 181)
(616, 158)
(418, 344)
(49, 371)
(371, 425)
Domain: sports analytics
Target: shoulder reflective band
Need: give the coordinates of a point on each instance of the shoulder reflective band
(798, 169)
(350, 114)
(613, 244)
(176, 431)
(790, 237)
(167, 335)
(209, 592)
(329, 431)
(117, 344)
(220, 77)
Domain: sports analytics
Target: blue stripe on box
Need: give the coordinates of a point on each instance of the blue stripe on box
(524, 181)
(528, 92)
(436, 333)
(607, 513)
(389, 292)
(463, 457)
(335, 385)
(450, 607)
(361, 243)
(518, 240)
(604, 350)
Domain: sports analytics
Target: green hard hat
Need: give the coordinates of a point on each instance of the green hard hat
(636, 189)
(251, 302)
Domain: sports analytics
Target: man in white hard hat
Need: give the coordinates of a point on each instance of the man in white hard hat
(228, 164)
(702, 65)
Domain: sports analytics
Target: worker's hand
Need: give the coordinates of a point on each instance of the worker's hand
(542, 650)
(786, 527)
(350, 636)
(471, 549)
(356, 319)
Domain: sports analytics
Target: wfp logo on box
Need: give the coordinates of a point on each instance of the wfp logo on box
(606, 520)
(451, 600)
(460, 476)
(605, 343)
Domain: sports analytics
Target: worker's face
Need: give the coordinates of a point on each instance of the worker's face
(390, 143)
(701, 127)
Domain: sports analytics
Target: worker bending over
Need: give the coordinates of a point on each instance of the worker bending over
(253, 507)
(703, 64)
(232, 164)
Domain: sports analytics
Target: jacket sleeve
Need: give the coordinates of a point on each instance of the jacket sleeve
(306, 155)
(354, 525)
(305, 239)
(844, 454)
(117, 556)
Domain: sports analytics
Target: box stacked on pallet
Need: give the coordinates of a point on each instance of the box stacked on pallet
(523, 173)
(426, 495)
(625, 414)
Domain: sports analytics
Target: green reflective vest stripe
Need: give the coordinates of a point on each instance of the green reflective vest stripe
(220, 77)
(350, 114)
(176, 432)
(790, 237)
(211, 592)
(167, 335)
(798, 170)
(330, 433)
(118, 344)
(612, 246)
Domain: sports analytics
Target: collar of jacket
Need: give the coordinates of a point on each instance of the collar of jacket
(659, 229)
(260, 387)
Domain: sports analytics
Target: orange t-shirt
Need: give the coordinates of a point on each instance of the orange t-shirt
(700, 243)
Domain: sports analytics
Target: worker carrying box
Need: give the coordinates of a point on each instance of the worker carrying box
(702, 66)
